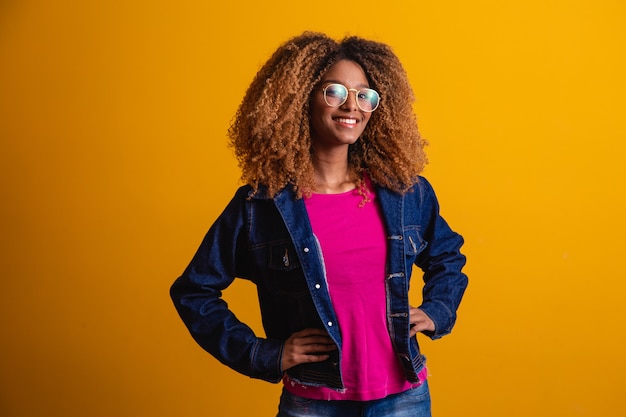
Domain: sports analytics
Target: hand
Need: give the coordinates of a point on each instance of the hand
(419, 321)
(308, 345)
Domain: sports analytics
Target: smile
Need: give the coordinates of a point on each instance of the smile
(346, 121)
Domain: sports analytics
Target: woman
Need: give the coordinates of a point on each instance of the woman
(331, 219)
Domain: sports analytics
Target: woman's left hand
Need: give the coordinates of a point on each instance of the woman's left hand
(419, 321)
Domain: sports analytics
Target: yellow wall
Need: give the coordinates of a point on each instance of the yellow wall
(114, 163)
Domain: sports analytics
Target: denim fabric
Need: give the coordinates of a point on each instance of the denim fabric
(270, 242)
(412, 403)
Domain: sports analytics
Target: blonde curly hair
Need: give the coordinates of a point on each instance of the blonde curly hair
(271, 134)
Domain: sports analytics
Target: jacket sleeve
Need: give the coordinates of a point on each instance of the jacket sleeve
(197, 293)
(442, 263)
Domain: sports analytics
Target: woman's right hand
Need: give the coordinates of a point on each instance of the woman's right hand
(308, 345)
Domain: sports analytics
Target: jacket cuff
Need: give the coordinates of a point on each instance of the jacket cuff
(442, 317)
(266, 360)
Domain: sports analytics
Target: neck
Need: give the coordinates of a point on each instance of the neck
(332, 175)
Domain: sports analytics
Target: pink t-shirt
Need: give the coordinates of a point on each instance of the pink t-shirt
(354, 247)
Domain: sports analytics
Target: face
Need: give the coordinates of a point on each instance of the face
(339, 126)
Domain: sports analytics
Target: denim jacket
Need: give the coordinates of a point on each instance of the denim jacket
(270, 242)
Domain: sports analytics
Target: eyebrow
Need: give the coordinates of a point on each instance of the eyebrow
(324, 82)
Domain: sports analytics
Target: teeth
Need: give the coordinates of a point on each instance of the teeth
(347, 121)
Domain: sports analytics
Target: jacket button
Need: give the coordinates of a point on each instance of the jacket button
(330, 324)
(306, 250)
(318, 286)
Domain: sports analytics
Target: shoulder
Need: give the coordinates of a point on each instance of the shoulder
(424, 187)
(243, 193)
(421, 190)
(424, 195)
(262, 193)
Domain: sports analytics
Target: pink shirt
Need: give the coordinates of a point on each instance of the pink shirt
(354, 246)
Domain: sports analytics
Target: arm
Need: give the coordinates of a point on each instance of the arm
(197, 297)
(441, 262)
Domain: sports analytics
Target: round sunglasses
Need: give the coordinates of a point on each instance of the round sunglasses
(336, 95)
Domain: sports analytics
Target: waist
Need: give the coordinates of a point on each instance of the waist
(352, 394)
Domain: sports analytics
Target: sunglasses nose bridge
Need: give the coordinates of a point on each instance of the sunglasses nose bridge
(356, 97)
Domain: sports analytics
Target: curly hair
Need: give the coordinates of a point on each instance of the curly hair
(271, 134)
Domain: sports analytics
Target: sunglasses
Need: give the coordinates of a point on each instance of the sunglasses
(336, 95)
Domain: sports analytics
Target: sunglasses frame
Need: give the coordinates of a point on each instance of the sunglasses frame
(356, 96)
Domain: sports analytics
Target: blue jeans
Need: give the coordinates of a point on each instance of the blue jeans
(412, 403)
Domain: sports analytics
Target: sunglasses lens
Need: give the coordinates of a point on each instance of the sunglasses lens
(368, 99)
(335, 94)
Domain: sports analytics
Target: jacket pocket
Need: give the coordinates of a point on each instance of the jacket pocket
(283, 257)
(413, 241)
(285, 276)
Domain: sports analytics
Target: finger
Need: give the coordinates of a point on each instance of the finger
(313, 358)
(312, 331)
(419, 327)
(420, 321)
(315, 348)
(309, 336)
(316, 340)
(294, 354)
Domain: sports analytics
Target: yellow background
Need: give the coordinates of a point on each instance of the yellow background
(114, 163)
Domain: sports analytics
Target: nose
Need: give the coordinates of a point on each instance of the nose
(350, 103)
